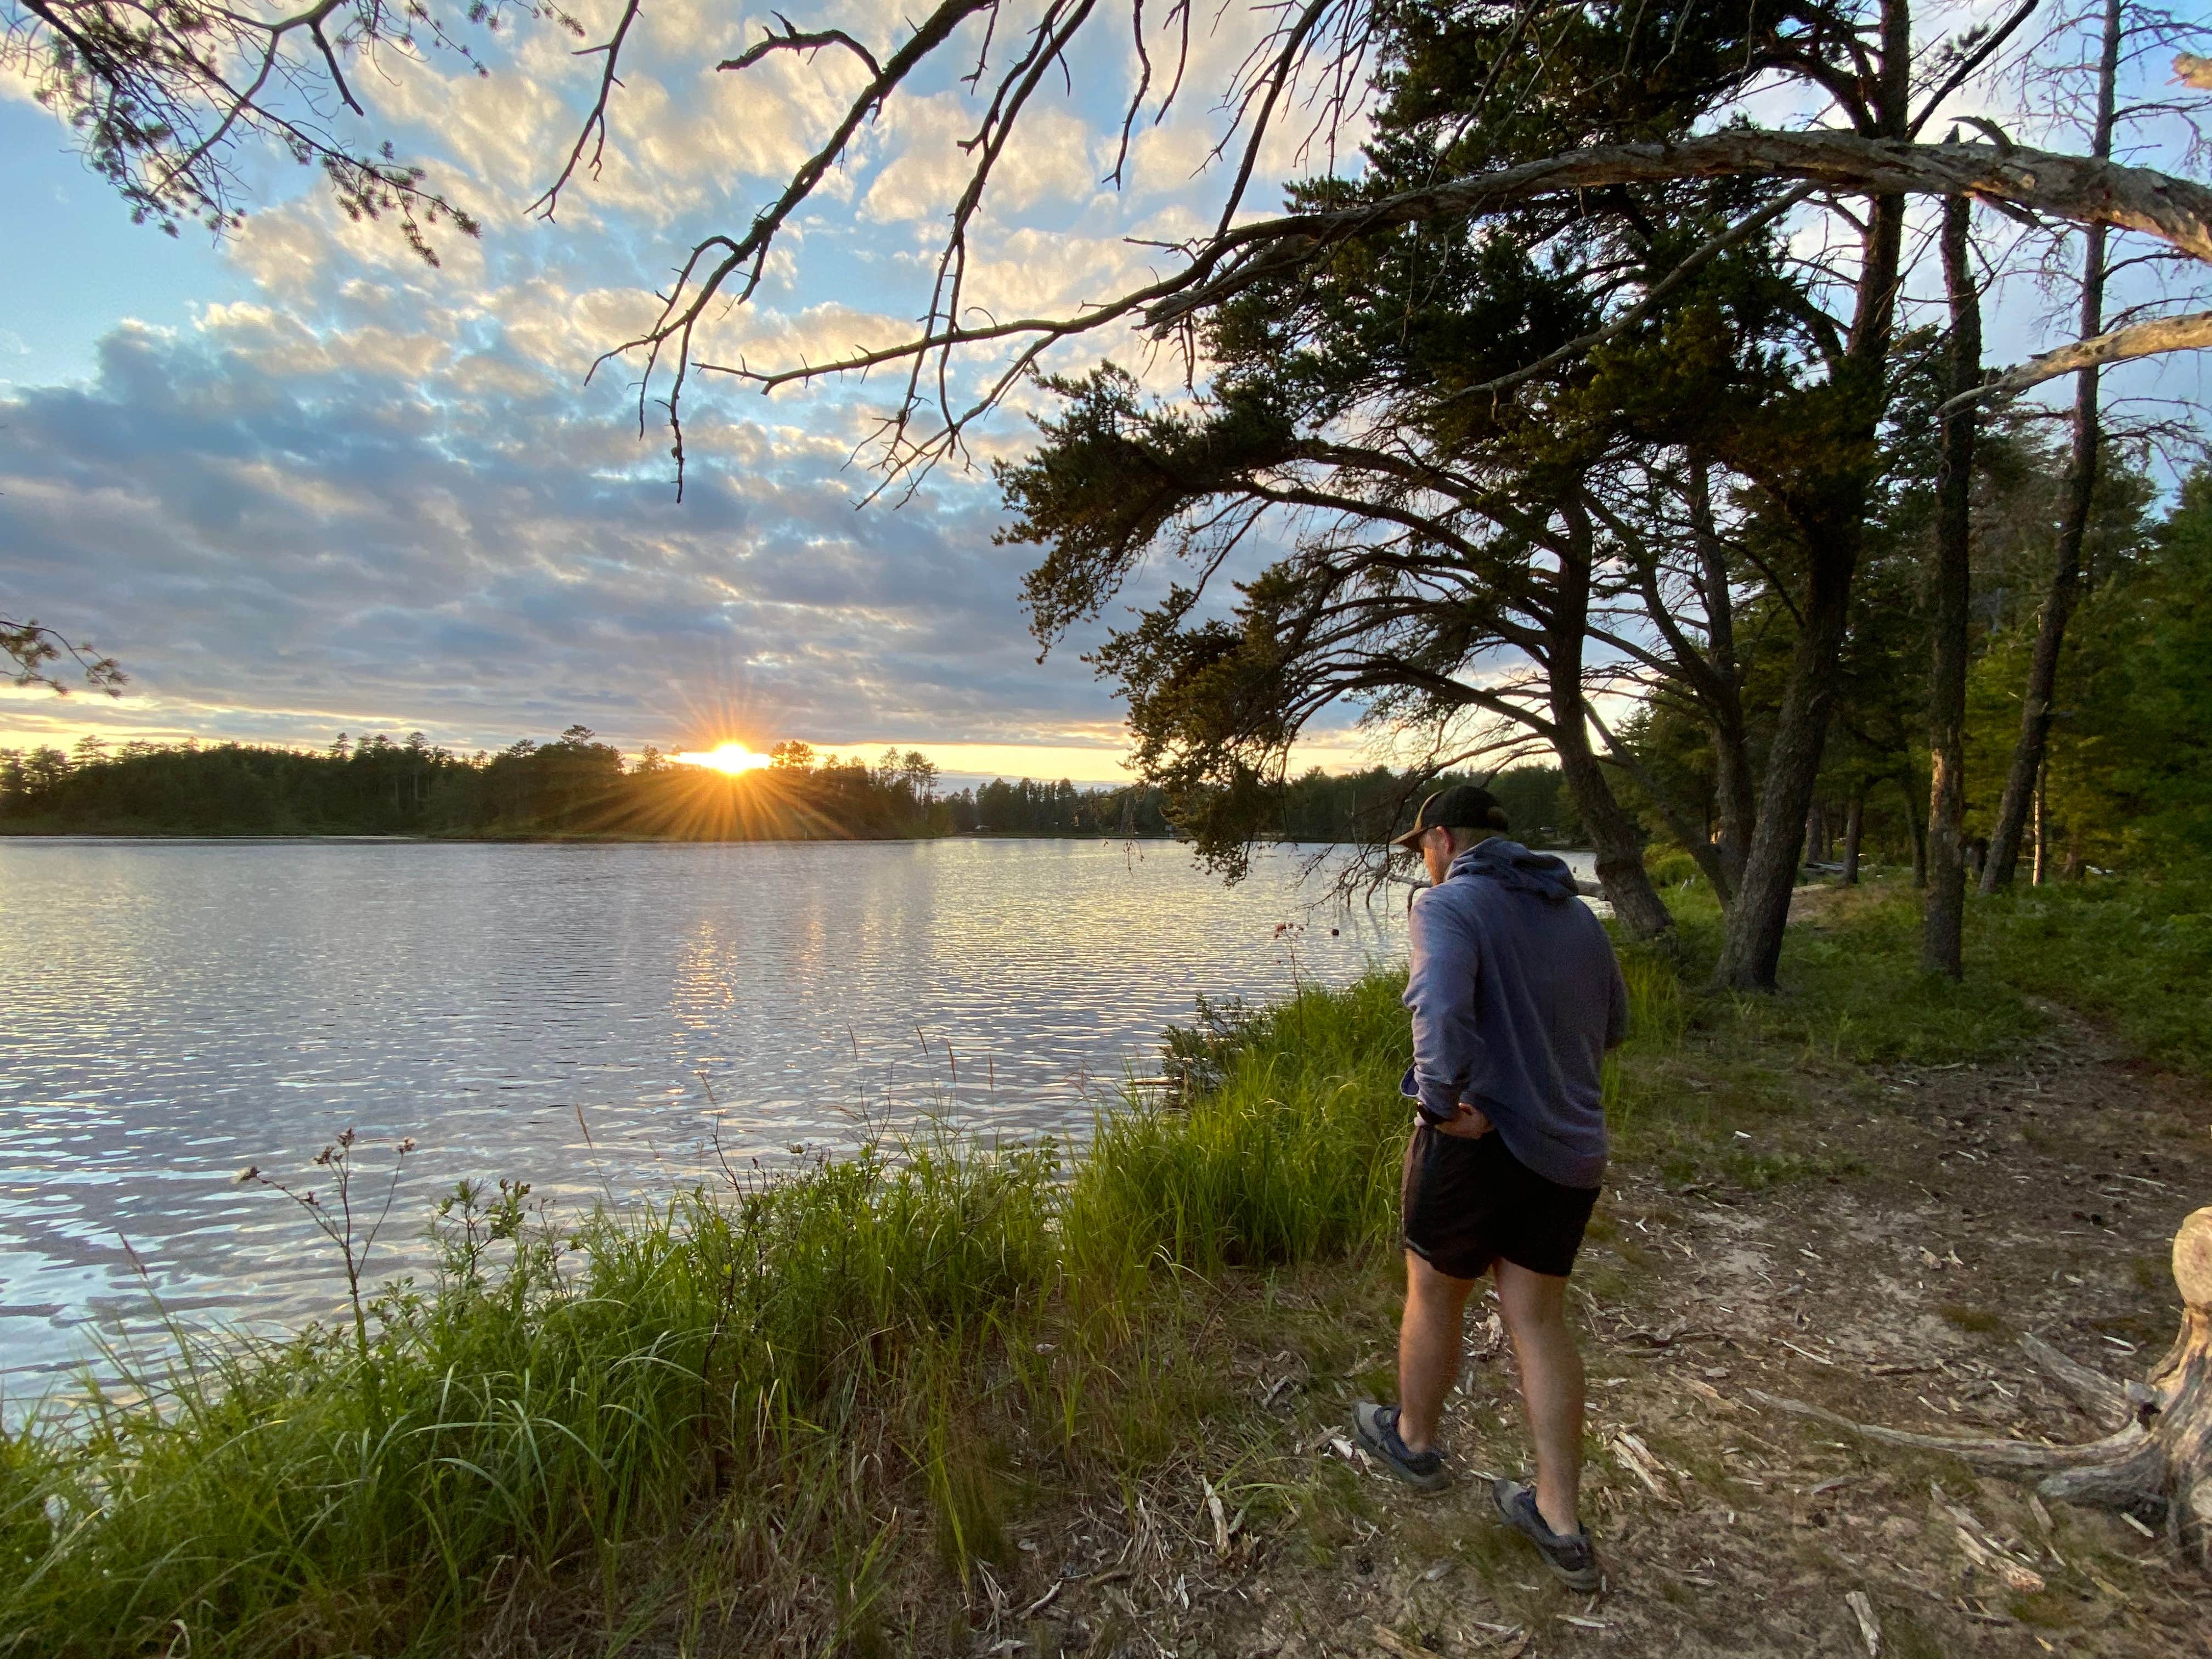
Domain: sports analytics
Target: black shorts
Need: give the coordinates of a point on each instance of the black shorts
(1469, 1202)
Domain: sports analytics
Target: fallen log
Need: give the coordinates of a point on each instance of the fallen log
(2159, 1462)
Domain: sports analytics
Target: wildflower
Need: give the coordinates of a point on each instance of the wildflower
(407, 1145)
(251, 1172)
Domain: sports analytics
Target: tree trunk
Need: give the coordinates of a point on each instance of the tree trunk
(1615, 836)
(1911, 787)
(2042, 823)
(1832, 517)
(1736, 805)
(1942, 917)
(2081, 489)
(1854, 825)
(1751, 947)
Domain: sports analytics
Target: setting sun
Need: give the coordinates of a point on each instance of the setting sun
(731, 757)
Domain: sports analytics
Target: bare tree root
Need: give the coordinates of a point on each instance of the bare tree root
(2158, 1460)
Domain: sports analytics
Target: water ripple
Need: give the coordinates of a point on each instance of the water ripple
(171, 1011)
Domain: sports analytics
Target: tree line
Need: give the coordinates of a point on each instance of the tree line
(576, 785)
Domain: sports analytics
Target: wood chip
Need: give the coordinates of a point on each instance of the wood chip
(1987, 1554)
(1869, 1626)
(1390, 1642)
(1641, 1463)
(1220, 1520)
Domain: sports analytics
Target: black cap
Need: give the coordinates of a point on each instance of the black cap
(1462, 806)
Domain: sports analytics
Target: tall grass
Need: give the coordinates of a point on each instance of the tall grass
(1293, 1155)
(546, 1403)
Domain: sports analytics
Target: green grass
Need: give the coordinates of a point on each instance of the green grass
(2136, 952)
(548, 1402)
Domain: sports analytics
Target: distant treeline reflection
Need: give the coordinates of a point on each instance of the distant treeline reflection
(578, 785)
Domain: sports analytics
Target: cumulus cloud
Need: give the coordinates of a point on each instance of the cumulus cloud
(291, 525)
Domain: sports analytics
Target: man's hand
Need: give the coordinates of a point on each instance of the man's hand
(1471, 1124)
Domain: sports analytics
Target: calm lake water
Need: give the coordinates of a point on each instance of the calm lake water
(590, 1019)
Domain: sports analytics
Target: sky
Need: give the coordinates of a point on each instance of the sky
(301, 483)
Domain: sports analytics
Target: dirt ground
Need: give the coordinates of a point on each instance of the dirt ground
(1951, 1210)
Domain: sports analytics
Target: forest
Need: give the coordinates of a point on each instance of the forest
(576, 786)
(2125, 784)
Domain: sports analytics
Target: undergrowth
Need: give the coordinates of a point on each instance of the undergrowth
(2137, 951)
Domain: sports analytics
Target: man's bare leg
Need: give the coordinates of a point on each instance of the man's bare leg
(1428, 1349)
(1534, 1306)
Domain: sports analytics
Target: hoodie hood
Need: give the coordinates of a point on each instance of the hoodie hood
(1514, 867)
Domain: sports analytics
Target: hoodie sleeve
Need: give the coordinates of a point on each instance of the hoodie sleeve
(1440, 993)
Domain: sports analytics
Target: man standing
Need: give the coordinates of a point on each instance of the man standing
(1515, 996)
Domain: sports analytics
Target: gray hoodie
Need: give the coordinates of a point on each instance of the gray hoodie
(1516, 995)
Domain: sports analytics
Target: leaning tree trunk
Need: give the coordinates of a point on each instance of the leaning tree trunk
(1751, 945)
(1616, 837)
(2158, 1461)
(1942, 916)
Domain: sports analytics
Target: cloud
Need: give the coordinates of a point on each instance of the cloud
(298, 526)
(377, 495)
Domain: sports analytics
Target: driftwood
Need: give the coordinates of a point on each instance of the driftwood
(2158, 1458)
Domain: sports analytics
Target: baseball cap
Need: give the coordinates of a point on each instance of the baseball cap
(1462, 806)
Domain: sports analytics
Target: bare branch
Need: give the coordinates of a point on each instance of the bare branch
(594, 128)
(794, 39)
(1966, 66)
(2120, 345)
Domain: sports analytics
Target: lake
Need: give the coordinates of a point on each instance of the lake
(592, 1019)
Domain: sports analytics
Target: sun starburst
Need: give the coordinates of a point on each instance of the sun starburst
(732, 757)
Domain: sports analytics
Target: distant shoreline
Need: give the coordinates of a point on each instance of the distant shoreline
(525, 839)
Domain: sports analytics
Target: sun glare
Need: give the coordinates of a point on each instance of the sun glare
(731, 757)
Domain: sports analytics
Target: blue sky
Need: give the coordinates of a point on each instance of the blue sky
(301, 483)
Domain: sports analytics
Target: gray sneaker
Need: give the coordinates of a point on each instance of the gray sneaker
(1569, 1555)
(1378, 1432)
